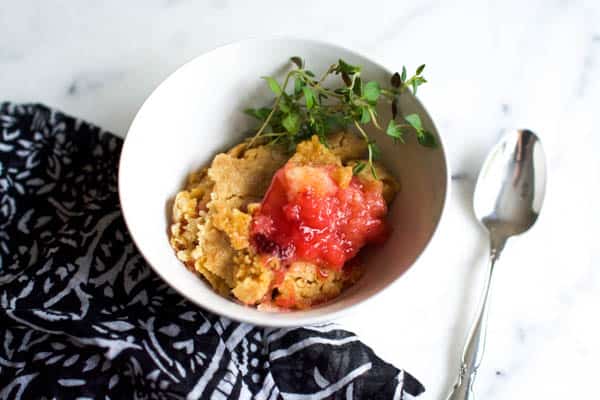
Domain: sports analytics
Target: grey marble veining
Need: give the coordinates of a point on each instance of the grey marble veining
(490, 65)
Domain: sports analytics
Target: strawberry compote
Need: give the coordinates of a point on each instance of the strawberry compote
(306, 215)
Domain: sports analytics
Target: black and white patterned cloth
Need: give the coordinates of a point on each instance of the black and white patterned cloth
(83, 316)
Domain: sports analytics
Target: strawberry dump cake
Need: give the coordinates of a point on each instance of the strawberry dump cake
(279, 220)
(281, 232)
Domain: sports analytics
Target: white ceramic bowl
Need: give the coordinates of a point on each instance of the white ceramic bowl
(197, 112)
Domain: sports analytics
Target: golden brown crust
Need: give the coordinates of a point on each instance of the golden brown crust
(247, 177)
(304, 285)
(312, 152)
(212, 216)
(252, 279)
(347, 146)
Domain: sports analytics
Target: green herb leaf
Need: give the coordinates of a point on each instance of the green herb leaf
(420, 69)
(358, 87)
(310, 73)
(416, 81)
(275, 88)
(395, 131)
(372, 91)
(365, 116)
(344, 67)
(403, 76)
(358, 167)
(415, 121)
(298, 61)
(291, 122)
(426, 138)
(309, 97)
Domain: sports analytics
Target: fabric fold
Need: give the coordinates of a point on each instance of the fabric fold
(83, 316)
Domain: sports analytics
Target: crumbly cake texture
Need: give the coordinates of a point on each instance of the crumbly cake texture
(211, 222)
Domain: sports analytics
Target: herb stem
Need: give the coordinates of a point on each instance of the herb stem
(274, 134)
(328, 92)
(362, 131)
(369, 148)
(374, 119)
(275, 106)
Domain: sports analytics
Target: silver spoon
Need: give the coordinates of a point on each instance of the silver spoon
(508, 198)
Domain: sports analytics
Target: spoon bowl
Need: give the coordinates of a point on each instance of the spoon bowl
(511, 185)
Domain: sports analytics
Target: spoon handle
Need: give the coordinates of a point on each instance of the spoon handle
(473, 351)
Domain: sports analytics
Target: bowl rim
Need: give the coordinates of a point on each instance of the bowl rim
(268, 319)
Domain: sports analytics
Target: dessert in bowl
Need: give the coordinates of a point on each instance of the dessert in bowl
(272, 232)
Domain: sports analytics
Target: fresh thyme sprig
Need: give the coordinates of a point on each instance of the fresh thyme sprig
(313, 109)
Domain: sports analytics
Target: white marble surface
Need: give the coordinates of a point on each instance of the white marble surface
(490, 64)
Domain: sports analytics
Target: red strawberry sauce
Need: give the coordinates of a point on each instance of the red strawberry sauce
(307, 216)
